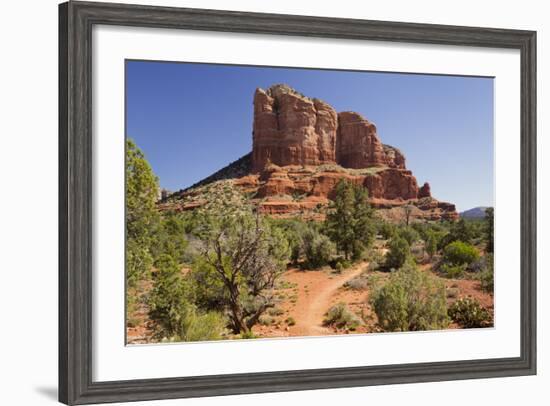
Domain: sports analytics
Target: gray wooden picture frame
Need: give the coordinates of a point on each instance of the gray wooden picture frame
(76, 20)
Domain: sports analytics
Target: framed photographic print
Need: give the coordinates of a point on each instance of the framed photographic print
(258, 202)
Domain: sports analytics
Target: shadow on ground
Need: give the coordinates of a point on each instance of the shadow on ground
(49, 392)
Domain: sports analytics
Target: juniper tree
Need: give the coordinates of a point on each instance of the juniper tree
(242, 252)
(349, 220)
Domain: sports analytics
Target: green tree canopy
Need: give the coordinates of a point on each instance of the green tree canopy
(399, 252)
(489, 229)
(349, 221)
(141, 214)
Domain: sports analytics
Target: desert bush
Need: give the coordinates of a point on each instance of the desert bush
(202, 327)
(399, 251)
(452, 271)
(374, 266)
(341, 263)
(209, 292)
(340, 316)
(374, 255)
(318, 249)
(176, 317)
(468, 313)
(452, 293)
(458, 253)
(411, 300)
(459, 231)
(487, 281)
(431, 244)
(419, 253)
(131, 307)
(409, 234)
(275, 311)
(486, 277)
(478, 266)
(170, 237)
(293, 230)
(360, 282)
(266, 320)
(247, 335)
(290, 321)
(386, 230)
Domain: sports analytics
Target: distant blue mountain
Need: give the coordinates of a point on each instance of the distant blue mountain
(475, 213)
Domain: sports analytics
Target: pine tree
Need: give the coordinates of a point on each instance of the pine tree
(349, 221)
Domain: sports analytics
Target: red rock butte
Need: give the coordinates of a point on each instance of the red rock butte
(292, 129)
(302, 147)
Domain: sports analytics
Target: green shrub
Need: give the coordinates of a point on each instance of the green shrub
(419, 253)
(386, 230)
(487, 281)
(411, 300)
(176, 317)
(489, 229)
(431, 244)
(318, 249)
(170, 237)
(266, 320)
(293, 230)
(374, 256)
(290, 321)
(275, 311)
(202, 327)
(409, 234)
(458, 253)
(453, 271)
(486, 277)
(360, 282)
(340, 316)
(452, 293)
(131, 307)
(459, 231)
(478, 266)
(399, 251)
(468, 313)
(344, 263)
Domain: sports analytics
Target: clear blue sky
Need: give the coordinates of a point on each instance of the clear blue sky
(192, 119)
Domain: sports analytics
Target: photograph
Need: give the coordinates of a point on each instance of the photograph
(268, 202)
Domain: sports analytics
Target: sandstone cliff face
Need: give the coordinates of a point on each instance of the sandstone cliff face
(392, 184)
(358, 145)
(291, 129)
(394, 157)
